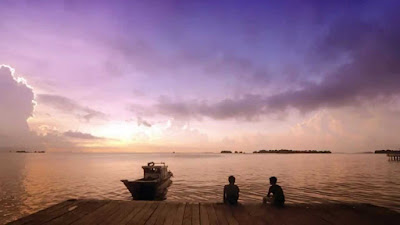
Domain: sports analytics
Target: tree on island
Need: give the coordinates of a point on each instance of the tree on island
(292, 151)
(226, 151)
(386, 151)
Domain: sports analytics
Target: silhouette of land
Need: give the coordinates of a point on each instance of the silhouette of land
(226, 151)
(292, 151)
(179, 213)
(23, 151)
(387, 151)
(236, 152)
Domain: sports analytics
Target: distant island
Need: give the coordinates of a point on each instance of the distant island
(387, 151)
(286, 151)
(23, 151)
(226, 151)
(236, 152)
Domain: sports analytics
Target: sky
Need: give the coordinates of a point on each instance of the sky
(199, 76)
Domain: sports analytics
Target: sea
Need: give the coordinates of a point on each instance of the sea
(33, 181)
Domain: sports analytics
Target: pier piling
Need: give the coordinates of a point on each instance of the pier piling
(394, 156)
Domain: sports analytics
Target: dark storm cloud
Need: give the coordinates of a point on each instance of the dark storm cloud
(373, 68)
(370, 68)
(70, 106)
(248, 107)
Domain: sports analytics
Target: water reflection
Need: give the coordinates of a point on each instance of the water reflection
(29, 182)
(12, 189)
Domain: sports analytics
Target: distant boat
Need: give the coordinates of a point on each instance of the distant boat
(154, 185)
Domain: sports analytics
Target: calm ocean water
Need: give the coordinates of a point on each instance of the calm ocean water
(30, 182)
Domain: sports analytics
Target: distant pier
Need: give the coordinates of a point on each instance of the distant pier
(191, 213)
(394, 156)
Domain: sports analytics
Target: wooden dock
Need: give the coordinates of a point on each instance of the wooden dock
(393, 156)
(175, 213)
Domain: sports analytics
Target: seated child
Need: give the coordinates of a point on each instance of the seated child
(231, 192)
(278, 198)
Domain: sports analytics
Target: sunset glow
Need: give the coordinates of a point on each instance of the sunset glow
(193, 76)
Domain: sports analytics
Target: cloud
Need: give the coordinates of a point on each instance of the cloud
(248, 107)
(17, 105)
(179, 133)
(370, 71)
(17, 101)
(143, 122)
(340, 130)
(80, 135)
(348, 129)
(67, 105)
(368, 54)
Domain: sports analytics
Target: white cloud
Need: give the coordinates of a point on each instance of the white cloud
(16, 106)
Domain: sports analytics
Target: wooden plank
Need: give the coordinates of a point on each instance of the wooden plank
(179, 214)
(344, 214)
(167, 213)
(203, 215)
(48, 214)
(241, 214)
(142, 217)
(315, 216)
(376, 214)
(140, 214)
(195, 214)
(187, 217)
(171, 214)
(227, 210)
(98, 215)
(147, 215)
(212, 216)
(157, 213)
(220, 213)
(167, 210)
(126, 211)
(135, 213)
(78, 212)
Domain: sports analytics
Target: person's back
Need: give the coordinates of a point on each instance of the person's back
(231, 191)
(278, 198)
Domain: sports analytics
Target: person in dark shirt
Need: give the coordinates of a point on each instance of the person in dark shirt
(277, 198)
(231, 191)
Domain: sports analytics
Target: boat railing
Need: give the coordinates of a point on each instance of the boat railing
(155, 163)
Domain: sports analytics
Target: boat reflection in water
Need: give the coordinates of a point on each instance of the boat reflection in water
(154, 185)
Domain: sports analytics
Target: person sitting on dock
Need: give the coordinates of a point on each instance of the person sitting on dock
(277, 198)
(231, 192)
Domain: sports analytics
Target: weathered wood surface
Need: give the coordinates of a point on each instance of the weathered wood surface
(190, 213)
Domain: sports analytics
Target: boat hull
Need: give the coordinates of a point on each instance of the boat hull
(148, 189)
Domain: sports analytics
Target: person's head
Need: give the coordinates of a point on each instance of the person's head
(273, 180)
(231, 179)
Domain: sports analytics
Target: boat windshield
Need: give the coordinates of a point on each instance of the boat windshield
(152, 170)
(152, 173)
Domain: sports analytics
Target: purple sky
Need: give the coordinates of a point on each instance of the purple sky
(199, 75)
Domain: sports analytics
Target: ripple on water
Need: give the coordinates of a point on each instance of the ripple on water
(29, 183)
